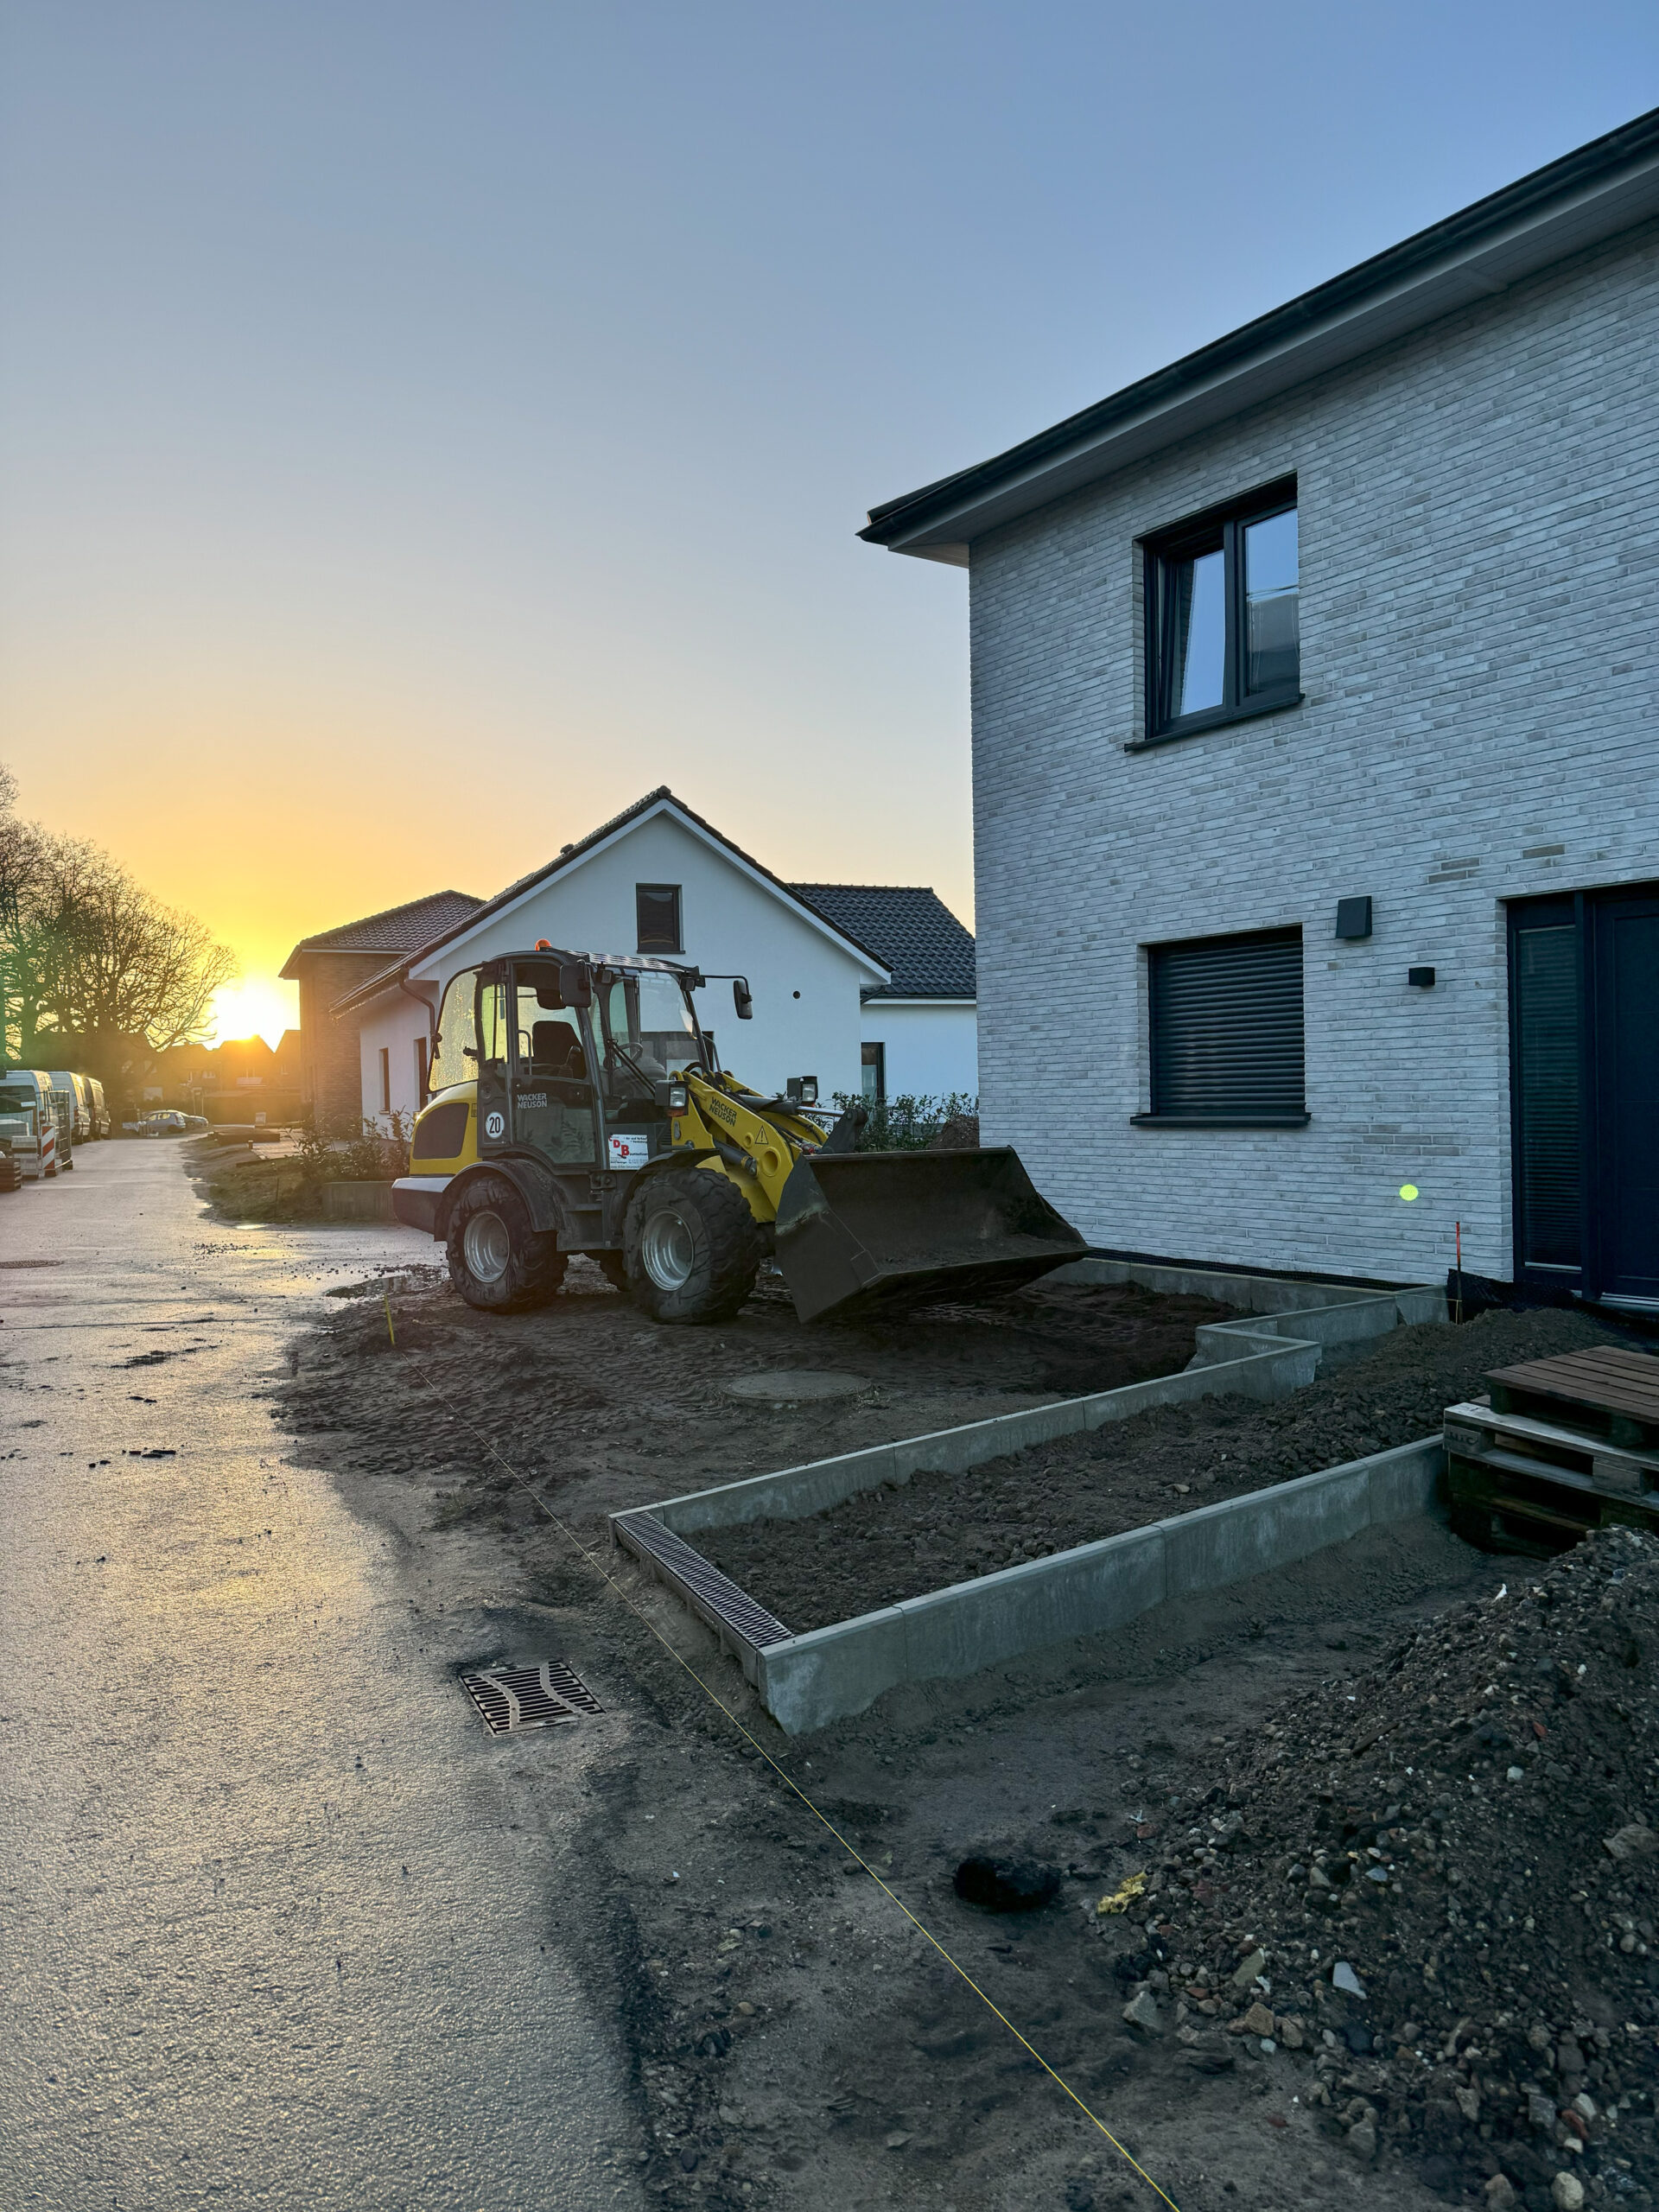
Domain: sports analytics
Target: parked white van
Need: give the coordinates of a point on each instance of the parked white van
(77, 1107)
(29, 1126)
(56, 1107)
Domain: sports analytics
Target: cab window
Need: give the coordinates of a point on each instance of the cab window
(491, 1027)
(450, 1060)
(549, 1038)
(648, 1027)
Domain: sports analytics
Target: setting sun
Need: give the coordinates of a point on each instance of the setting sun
(260, 1006)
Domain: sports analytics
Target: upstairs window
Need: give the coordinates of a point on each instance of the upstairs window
(657, 914)
(1223, 630)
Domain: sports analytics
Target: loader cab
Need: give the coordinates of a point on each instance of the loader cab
(574, 1058)
(534, 1054)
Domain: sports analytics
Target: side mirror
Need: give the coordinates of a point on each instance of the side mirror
(741, 999)
(576, 983)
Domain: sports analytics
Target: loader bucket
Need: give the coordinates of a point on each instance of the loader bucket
(858, 1231)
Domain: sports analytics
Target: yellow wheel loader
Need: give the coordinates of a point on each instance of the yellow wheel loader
(578, 1106)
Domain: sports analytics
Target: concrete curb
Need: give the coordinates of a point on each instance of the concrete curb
(831, 1673)
(1293, 1329)
(1277, 1366)
(1342, 1321)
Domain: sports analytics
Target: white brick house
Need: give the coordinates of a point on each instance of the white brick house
(1464, 433)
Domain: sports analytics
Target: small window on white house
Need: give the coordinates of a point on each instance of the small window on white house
(421, 1092)
(657, 914)
(385, 1079)
(874, 1072)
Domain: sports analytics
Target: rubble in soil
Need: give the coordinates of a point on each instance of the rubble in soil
(1438, 1885)
(887, 1544)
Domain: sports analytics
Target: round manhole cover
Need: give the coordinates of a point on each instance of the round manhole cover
(790, 1386)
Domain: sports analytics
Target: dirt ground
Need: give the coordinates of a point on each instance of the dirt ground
(937, 1528)
(796, 2041)
(614, 1411)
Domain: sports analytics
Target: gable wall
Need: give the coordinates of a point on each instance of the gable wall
(1479, 521)
(731, 923)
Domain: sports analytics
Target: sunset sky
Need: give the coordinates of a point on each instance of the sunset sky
(425, 428)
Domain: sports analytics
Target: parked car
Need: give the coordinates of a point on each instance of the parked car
(165, 1121)
(29, 1130)
(56, 1107)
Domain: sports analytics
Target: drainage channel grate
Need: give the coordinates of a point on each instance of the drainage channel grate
(703, 1585)
(513, 1698)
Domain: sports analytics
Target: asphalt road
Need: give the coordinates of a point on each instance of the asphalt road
(271, 1937)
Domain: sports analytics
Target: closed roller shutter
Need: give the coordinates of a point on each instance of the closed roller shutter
(1227, 1028)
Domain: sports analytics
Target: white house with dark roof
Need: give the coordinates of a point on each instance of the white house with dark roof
(920, 1030)
(659, 879)
(1316, 819)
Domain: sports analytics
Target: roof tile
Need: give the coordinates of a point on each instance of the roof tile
(911, 931)
(396, 930)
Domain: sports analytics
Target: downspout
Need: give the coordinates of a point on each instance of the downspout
(431, 1012)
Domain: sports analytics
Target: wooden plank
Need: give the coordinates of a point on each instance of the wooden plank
(1471, 1415)
(1559, 1498)
(1604, 1376)
(1602, 1386)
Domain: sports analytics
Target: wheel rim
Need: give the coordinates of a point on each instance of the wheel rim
(668, 1249)
(487, 1247)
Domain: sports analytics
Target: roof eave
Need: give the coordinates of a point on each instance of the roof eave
(1591, 195)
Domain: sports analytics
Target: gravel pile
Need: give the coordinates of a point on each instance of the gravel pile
(1437, 1883)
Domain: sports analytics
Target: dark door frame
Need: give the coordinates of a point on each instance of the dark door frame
(1582, 908)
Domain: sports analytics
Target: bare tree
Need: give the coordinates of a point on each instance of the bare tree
(87, 953)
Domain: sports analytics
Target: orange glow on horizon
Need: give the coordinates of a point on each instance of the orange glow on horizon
(255, 1006)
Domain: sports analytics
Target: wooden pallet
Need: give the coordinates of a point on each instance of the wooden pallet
(1563, 1447)
(1609, 1390)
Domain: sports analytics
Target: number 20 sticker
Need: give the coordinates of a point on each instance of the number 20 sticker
(495, 1125)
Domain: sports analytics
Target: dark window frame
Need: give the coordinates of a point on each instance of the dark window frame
(873, 1053)
(1162, 1112)
(1217, 528)
(659, 890)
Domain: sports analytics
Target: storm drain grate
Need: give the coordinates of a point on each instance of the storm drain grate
(512, 1698)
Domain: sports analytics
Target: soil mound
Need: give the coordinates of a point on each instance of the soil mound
(1438, 1880)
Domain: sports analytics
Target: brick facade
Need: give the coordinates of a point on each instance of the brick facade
(326, 967)
(1478, 508)
(330, 1090)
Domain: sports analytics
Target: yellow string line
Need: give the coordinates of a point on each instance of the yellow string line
(789, 1781)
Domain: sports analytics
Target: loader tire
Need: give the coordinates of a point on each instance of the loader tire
(693, 1248)
(498, 1260)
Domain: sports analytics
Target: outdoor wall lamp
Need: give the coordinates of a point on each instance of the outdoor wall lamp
(1353, 918)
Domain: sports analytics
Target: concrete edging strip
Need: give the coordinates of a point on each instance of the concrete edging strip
(1288, 1329)
(1274, 1367)
(831, 1673)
